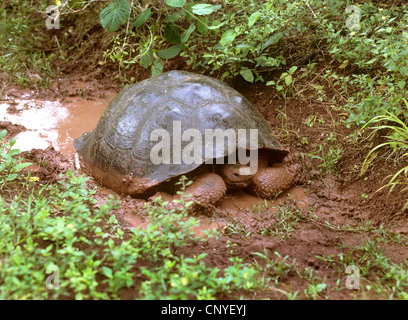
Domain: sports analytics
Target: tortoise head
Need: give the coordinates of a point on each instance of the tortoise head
(233, 177)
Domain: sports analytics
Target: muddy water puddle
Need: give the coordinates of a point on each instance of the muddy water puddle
(52, 123)
(59, 123)
(244, 201)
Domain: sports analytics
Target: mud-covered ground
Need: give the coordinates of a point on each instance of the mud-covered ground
(332, 208)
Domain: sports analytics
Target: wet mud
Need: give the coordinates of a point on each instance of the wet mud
(39, 124)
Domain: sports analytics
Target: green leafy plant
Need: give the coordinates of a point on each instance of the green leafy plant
(187, 278)
(162, 38)
(315, 289)
(377, 274)
(286, 220)
(249, 47)
(22, 57)
(10, 167)
(166, 231)
(202, 33)
(377, 47)
(328, 153)
(277, 266)
(287, 84)
(397, 140)
(115, 14)
(181, 278)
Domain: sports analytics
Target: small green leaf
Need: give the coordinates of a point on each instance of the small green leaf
(12, 177)
(3, 134)
(171, 34)
(293, 69)
(247, 75)
(288, 79)
(115, 14)
(253, 18)
(23, 165)
(225, 74)
(187, 12)
(186, 34)
(271, 40)
(372, 60)
(203, 9)
(170, 52)
(174, 17)
(202, 26)
(227, 37)
(12, 142)
(176, 3)
(13, 152)
(157, 67)
(244, 49)
(344, 64)
(216, 25)
(147, 59)
(401, 84)
(283, 75)
(142, 18)
(107, 272)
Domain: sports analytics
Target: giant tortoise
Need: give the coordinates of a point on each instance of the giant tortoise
(118, 152)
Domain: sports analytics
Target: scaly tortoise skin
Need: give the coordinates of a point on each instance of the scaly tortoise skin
(117, 152)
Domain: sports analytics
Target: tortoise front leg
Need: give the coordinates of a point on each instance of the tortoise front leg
(268, 182)
(206, 191)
